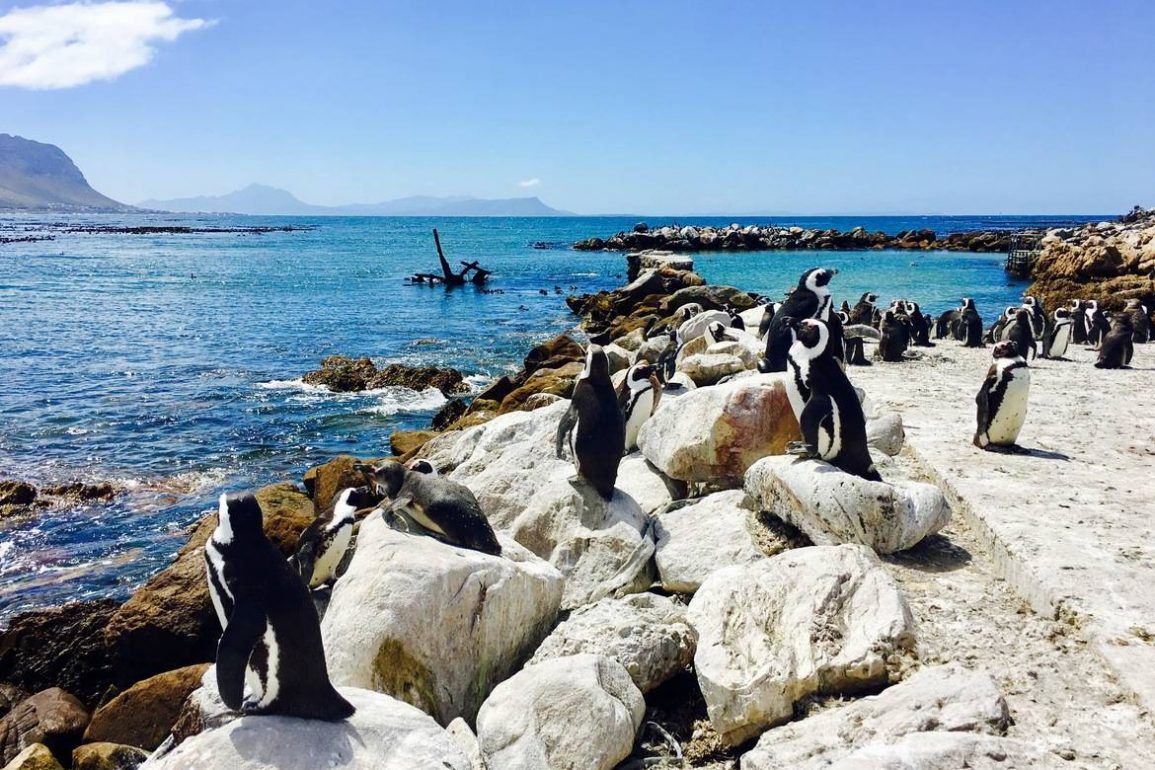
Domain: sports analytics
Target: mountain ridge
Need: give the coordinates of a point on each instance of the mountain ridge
(264, 200)
(39, 176)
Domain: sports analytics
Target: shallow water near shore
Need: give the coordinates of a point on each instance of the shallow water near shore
(170, 364)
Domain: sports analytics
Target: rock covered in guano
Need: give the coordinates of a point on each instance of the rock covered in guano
(833, 507)
(580, 712)
(433, 625)
(821, 619)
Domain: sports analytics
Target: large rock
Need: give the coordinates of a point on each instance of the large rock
(646, 633)
(579, 712)
(383, 734)
(708, 368)
(643, 482)
(715, 434)
(107, 756)
(434, 625)
(169, 621)
(341, 374)
(323, 482)
(946, 751)
(51, 717)
(34, 757)
(833, 507)
(60, 647)
(885, 433)
(824, 619)
(947, 699)
(602, 548)
(696, 326)
(143, 715)
(697, 539)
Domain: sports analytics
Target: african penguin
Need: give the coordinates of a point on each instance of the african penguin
(767, 319)
(323, 544)
(863, 310)
(593, 426)
(668, 358)
(1095, 323)
(272, 637)
(638, 397)
(970, 325)
(810, 299)
(422, 465)
(1019, 331)
(1002, 401)
(1079, 322)
(919, 326)
(1140, 320)
(1117, 347)
(736, 321)
(832, 422)
(1039, 320)
(895, 338)
(1059, 337)
(432, 505)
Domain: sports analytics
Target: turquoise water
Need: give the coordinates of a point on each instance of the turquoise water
(170, 364)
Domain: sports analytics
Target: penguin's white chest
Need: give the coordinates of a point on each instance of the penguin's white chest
(216, 566)
(1060, 342)
(798, 377)
(1012, 413)
(325, 568)
(640, 411)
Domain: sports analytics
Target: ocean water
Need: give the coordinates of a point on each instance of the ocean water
(171, 364)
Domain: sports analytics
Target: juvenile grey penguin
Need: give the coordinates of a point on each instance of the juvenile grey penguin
(272, 637)
(323, 544)
(1059, 335)
(863, 310)
(810, 299)
(1002, 401)
(1117, 346)
(1140, 321)
(432, 505)
(895, 338)
(638, 397)
(593, 427)
(833, 424)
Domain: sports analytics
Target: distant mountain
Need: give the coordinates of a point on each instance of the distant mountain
(34, 175)
(261, 199)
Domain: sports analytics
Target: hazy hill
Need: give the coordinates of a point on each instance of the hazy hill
(264, 200)
(34, 175)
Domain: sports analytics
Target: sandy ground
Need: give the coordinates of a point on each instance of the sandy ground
(1045, 576)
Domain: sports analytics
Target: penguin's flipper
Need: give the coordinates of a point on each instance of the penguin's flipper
(564, 429)
(306, 554)
(983, 416)
(816, 411)
(244, 629)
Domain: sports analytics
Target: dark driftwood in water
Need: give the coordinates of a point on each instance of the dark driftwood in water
(448, 277)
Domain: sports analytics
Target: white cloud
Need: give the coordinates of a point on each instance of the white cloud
(529, 182)
(61, 46)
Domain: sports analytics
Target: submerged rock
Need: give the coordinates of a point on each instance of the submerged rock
(823, 619)
(833, 507)
(434, 625)
(342, 374)
(579, 712)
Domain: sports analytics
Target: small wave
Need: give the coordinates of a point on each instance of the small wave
(297, 384)
(478, 382)
(394, 400)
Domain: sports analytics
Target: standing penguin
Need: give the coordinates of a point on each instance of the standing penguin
(1039, 320)
(919, 326)
(1096, 323)
(895, 338)
(832, 422)
(736, 321)
(1019, 331)
(668, 358)
(1059, 337)
(767, 319)
(970, 325)
(1140, 320)
(593, 426)
(432, 505)
(638, 397)
(272, 637)
(1117, 347)
(810, 299)
(1078, 322)
(323, 544)
(1002, 401)
(863, 310)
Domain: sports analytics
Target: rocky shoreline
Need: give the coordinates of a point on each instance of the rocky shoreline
(734, 237)
(719, 609)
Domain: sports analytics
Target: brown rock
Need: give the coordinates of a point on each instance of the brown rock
(10, 695)
(169, 622)
(403, 442)
(13, 492)
(446, 415)
(143, 715)
(107, 756)
(34, 757)
(559, 382)
(448, 381)
(342, 374)
(323, 482)
(51, 717)
(497, 390)
(83, 492)
(553, 353)
(59, 647)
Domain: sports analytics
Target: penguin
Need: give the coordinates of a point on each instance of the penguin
(1019, 331)
(687, 311)
(1039, 320)
(1002, 401)
(767, 319)
(855, 352)
(716, 333)
(1117, 347)
(422, 465)
(668, 358)
(997, 332)
(832, 421)
(971, 325)
(1140, 320)
(1079, 322)
(638, 397)
(919, 326)
(432, 505)
(322, 545)
(863, 310)
(1095, 323)
(1059, 335)
(593, 426)
(944, 326)
(810, 299)
(736, 321)
(895, 338)
(272, 637)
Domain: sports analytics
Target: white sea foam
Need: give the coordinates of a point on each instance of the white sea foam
(393, 400)
(297, 384)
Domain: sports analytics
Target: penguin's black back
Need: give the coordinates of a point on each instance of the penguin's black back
(600, 434)
(802, 303)
(828, 379)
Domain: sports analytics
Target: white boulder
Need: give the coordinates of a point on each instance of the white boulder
(619, 358)
(823, 619)
(384, 734)
(708, 368)
(948, 699)
(579, 712)
(946, 751)
(696, 326)
(833, 507)
(715, 434)
(643, 482)
(646, 633)
(433, 625)
(740, 348)
(885, 433)
(699, 538)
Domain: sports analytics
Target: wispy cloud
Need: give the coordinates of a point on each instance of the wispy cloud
(61, 46)
(529, 182)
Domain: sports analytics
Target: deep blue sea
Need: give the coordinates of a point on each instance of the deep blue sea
(170, 364)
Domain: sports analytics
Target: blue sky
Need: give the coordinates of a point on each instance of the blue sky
(604, 107)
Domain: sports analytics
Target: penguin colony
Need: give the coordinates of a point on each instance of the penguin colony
(270, 658)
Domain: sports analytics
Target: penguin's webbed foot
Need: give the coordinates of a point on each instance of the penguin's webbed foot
(800, 449)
